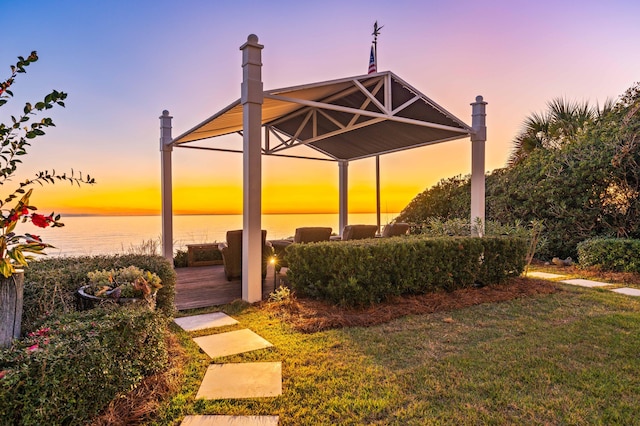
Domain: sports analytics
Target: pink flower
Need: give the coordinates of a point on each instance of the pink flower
(2, 374)
(32, 348)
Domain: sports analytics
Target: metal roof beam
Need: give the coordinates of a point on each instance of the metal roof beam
(371, 114)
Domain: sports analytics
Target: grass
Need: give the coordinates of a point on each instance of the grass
(566, 358)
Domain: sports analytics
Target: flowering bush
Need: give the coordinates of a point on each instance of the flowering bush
(14, 140)
(68, 369)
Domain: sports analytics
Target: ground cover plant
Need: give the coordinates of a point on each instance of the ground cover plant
(564, 356)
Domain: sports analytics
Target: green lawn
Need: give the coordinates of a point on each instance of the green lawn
(567, 358)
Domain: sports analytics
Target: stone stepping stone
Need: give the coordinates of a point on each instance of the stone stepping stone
(212, 420)
(200, 322)
(230, 421)
(231, 343)
(586, 283)
(544, 275)
(628, 291)
(242, 380)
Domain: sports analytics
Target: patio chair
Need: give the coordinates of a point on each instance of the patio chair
(309, 234)
(395, 229)
(232, 254)
(358, 232)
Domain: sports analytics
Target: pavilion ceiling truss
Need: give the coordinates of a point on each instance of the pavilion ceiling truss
(376, 107)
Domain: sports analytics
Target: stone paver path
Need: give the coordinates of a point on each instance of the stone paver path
(235, 380)
(544, 275)
(200, 322)
(231, 343)
(230, 421)
(586, 283)
(628, 291)
(243, 380)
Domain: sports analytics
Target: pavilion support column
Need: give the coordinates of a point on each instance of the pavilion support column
(343, 188)
(167, 191)
(478, 139)
(378, 193)
(251, 99)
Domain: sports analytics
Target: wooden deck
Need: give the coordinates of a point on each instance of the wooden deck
(203, 286)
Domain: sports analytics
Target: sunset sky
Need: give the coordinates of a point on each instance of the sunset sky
(122, 62)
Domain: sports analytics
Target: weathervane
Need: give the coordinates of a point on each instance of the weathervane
(375, 34)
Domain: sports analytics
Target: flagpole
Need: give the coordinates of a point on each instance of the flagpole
(376, 33)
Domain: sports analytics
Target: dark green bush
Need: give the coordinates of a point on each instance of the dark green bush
(71, 368)
(50, 284)
(367, 271)
(610, 254)
(180, 260)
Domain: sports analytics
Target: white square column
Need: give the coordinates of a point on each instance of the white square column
(251, 100)
(478, 139)
(343, 195)
(167, 186)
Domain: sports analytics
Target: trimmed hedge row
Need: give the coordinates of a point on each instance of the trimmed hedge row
(51, 283)
(610, 254)
(70, 369)
(368, 271)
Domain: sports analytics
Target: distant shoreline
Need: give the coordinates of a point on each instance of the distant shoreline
(205, 214)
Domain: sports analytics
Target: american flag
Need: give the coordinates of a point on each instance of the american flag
(372, 62)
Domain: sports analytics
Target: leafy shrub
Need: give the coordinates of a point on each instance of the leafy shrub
(50, 284)
(180, 260)
(71, 368)
(610, 254)
(367, 271)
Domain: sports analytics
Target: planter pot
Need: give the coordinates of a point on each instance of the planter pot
(11, 293)
(86, 301)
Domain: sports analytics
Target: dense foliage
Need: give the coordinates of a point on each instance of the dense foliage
(582, 182)
(363, 272)
(66, 372)
(50, 284)
(610, 254)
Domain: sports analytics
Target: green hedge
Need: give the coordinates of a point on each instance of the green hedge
(368, 271)
(610, 254)
(50, 283)
(70, 369)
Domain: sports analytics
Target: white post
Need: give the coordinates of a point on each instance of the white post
(378, 192)
(167, 194)
(478, 139)
(343, 188)
(251, 99)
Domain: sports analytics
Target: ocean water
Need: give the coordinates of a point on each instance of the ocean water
(92, 235)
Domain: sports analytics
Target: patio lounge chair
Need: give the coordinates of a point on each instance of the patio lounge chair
(358, 232)
(310, 234)
(232, 254)
(395, 229)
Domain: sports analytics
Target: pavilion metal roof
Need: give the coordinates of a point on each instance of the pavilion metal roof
(345, 119)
